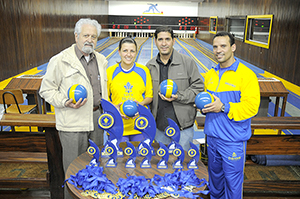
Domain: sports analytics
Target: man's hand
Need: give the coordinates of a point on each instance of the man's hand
(214, 106)
(173, 97)
(118, 106)
(78, 104)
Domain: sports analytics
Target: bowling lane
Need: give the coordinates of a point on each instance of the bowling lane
(146, 51)
(203, 62)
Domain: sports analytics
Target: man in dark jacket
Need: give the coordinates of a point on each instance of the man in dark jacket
(170, 64)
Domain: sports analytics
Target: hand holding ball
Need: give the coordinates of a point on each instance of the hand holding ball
(76, 92)
(168, 87)
(129, 108)
(202, 99)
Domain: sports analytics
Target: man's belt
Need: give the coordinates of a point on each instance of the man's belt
(96, 108)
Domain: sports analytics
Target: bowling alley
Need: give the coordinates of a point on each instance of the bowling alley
(150, 99)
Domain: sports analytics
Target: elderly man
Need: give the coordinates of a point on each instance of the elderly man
(78, 64)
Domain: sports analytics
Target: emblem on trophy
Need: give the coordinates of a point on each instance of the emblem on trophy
(173, 132)
(193, 152)
(131, 152)
(163, 152)
(111, 121)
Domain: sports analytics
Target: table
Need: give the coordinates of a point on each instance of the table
(274, 88)
(120, 171)
(53, 147)
(29, 86)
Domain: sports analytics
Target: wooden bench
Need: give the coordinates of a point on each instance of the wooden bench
(271, 145)
(29, 147)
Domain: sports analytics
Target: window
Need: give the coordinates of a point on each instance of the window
(258, 30)
(213, 23)
(236, 26)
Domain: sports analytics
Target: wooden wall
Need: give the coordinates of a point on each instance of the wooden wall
(283, 56)
(32, 31)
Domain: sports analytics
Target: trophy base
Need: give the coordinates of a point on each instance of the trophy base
(145, 164)
(178, 165)
(192, 164)
(130, 163)
(162, 166)
(111, 163)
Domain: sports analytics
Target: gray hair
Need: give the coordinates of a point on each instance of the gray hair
(83, 21)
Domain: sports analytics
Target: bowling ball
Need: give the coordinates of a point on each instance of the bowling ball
(168, 87)
(76, 92)
(129, 108)
(202, 99)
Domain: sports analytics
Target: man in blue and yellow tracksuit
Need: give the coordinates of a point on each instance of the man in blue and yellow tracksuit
(228, 119)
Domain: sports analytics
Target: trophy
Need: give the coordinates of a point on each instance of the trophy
(163, 152)
(146, 152)
(130, 151)
(179, 153)
(193, 152)
(112, 152)
(173, 132)
(94, 151)
(145, 123)
(112, 122)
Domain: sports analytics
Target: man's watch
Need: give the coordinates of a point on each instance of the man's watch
(223, 108)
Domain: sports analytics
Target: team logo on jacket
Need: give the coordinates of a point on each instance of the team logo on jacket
(234, 157)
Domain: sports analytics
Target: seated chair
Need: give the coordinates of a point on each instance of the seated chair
(12, 100)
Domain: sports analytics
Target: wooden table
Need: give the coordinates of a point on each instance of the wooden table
(22, 140)
(29, 86)
(274, 88)
(120, 171)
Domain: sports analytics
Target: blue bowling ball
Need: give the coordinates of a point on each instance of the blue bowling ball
(76, 92)
(168, 87)
(129, 108)
(202, 99)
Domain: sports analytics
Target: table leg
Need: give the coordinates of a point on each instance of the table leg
(276, 107)
(38, 102)
(44, 106)
(283, 106)
(55, 165)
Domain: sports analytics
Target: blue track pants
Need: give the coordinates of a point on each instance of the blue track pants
(226, 161)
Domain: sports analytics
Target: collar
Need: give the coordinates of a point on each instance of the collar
(233, 67)
(127, 71)
(79, 54)
(160, 62)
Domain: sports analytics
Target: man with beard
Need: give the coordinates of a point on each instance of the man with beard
(78, 64)
(170, 64)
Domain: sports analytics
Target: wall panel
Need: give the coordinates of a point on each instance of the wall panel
(33, 31)
(282, 58)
